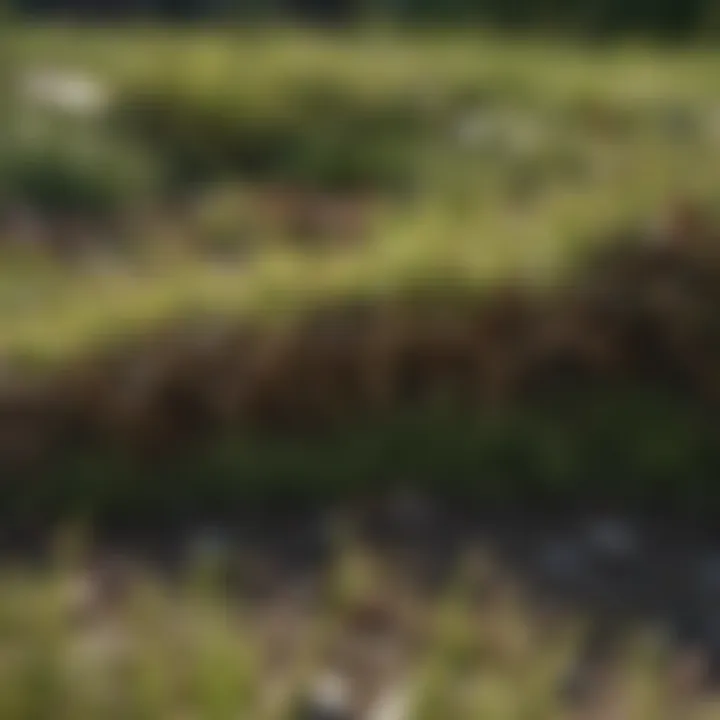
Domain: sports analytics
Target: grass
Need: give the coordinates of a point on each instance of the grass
(463, 226)
(582, 142)
(625, 132)
(46, 313)
(159, 651)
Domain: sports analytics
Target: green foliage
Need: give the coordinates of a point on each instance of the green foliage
(329, 141)
(315, 112)
(635, 449)
(65, 168)
(151, 646)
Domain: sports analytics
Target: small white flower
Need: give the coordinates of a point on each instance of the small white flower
(395, 705)
(331, 694)
(67, 91)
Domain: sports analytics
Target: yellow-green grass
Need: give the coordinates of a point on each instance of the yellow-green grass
(462, 228)
(49, 314)
(151, 652)
(375, 63)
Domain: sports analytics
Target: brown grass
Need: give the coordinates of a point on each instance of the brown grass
(638, 313)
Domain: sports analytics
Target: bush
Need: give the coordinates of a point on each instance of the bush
(73, 169)
(313, 137)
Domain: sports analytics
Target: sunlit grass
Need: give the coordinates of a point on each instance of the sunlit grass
(380, 63)
(53, 313)
(463, 226)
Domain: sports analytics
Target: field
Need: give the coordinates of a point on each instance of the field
(518, 156)
(279, 269)
(213, 233)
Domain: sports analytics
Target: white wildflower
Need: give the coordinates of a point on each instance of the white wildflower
(396, 705)
(331, 696)
(70, 92)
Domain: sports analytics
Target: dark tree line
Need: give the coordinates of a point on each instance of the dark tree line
(677, 18)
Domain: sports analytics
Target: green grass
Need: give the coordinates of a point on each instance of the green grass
(196, 655)
(192, 651)
(620, 134)
(463, 224)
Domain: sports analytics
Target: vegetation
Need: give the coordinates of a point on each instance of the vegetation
(271, 202)
(291, 269)
(514, 159)
(87, 644)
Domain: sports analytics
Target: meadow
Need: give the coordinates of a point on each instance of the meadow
(464, 160)
(218, 232)
(247, 268)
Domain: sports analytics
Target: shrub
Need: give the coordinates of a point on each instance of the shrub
(73, 169)
(314, 137)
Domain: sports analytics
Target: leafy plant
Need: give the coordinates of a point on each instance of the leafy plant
(65, 168)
